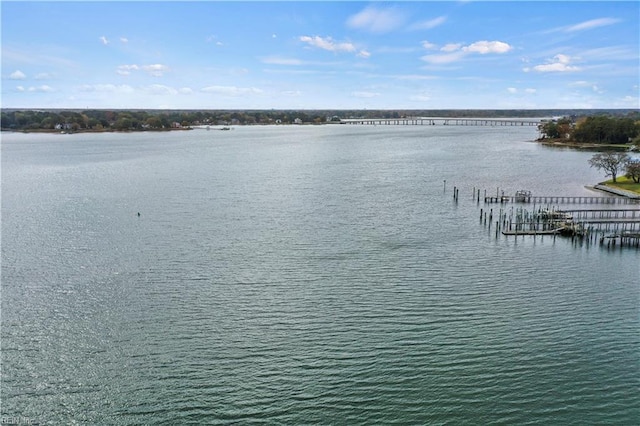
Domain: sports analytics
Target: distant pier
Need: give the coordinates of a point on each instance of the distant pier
(441, 121)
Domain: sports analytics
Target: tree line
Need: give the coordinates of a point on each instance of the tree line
(598, 129)
(132, 120)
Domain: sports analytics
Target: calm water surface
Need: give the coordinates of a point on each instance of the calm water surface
(299, 275)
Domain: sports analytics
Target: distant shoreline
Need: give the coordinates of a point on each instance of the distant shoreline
(57, 131)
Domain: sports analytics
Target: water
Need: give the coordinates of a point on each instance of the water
(297, 275)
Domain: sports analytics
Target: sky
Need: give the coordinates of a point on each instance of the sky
(320, 55)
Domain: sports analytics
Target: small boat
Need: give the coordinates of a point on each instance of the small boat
(522, 196)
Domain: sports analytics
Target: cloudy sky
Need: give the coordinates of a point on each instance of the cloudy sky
(303, 54)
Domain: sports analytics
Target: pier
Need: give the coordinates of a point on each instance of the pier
(441, 121)
(561, 199)
(610, 226)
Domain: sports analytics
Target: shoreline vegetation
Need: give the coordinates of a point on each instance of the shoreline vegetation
(594, 132)
(558, 123)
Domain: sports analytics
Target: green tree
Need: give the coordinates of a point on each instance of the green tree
(123, 123)
(154, 122)
(606, 130)
(555, 129)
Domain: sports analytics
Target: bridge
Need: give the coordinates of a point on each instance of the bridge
(442, 121)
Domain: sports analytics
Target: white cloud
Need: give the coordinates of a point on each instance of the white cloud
(126, 69)
(20, 88)
(377, 20)
(456, 51)
(185, 90)
(451, 47)
(483, 47)
(17, 75)
(104, 40)
(156, 70)
(43, 89)
(364, 54)
(427, 25)
(232, 90)
(559, 63)
(593, 23)
(327, 43)
(528, 91)
(124, 40)
(444, 58)
(428, 45)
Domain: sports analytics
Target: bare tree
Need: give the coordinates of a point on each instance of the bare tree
(611, 162)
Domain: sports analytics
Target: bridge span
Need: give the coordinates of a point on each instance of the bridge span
(442, 121)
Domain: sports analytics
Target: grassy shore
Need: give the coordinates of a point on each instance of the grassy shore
(564, 143)
(624, 183)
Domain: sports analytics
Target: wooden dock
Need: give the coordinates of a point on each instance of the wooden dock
(545, 217)
(534, 232)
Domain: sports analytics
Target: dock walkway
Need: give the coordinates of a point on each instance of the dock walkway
(561, 199)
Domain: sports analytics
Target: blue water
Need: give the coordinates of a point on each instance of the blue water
(309, 274)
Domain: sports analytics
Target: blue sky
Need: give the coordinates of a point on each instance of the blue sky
(320, 55)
